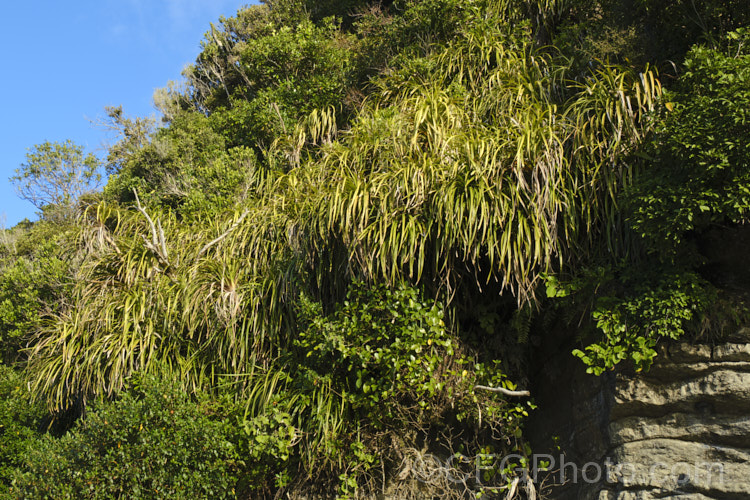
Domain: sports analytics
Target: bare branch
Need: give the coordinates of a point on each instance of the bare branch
(158, 244)
(221, 236)
(148, 218)
(162, 240)
(504, 391)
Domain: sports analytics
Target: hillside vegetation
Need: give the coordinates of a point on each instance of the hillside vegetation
(324, 273)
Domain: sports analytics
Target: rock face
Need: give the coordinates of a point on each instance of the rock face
(682, 430)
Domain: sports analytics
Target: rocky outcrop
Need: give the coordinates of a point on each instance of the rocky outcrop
(682, 430)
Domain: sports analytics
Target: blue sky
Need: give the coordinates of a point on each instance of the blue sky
(65, 61)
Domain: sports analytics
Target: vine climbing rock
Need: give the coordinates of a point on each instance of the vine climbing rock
(681, 430)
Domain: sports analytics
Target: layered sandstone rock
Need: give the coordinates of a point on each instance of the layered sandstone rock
(682, 430)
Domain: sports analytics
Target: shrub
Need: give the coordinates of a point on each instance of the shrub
(643, 312)
(153, 442)
(20, 421)
(34, 272)
(699, 176)
(382, 372)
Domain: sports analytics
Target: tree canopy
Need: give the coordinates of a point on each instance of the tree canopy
(56, 174)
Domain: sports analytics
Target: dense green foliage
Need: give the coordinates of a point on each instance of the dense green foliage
(338, 251)
(154, 441)
(187, 167)
(645, 31)
(696, 180)
(34, 280)
(362, 384)
(56, 175)
(382, 346)
(700, 173)
(633, 308)
(20, 424)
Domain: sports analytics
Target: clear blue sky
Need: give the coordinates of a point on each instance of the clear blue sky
(63, 62)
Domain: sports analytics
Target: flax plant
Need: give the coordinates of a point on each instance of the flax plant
(493, 158)
(481, 160)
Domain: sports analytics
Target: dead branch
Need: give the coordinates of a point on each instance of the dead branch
(222, 235)
(158, 244)
(504, 391)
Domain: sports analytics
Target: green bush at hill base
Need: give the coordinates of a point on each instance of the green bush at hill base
(20, 422)
(382, 372)
(153, 442)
